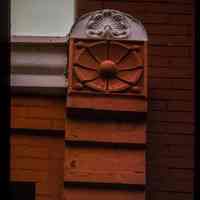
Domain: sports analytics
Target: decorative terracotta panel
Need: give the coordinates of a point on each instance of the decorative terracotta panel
(104, 165)
(108, 60)
(108, 67)
(99, 194)
(106, 107)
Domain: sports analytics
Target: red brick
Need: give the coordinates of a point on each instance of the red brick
(170, 73)
(171, 83)
(171, 94)
(180, 106)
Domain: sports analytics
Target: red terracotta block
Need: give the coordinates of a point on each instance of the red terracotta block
(102, 193)
(88, 165)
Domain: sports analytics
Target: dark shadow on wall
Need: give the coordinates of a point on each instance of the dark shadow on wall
(23, 191)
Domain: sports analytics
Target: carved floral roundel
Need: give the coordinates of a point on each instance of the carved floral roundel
(108, 66)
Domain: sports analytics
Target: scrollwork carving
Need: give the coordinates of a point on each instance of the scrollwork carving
(108, 24)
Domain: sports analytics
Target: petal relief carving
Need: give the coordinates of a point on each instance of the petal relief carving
(117, 85)
(97, 85)
(109, 66)
(130, 77)
(86, 59)
(84, 75)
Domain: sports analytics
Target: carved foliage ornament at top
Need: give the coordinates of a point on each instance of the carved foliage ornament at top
(108, 24)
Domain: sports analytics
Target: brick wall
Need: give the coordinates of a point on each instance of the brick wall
(37, 112)
(38, 122)
(170, 117)
(37, 144)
